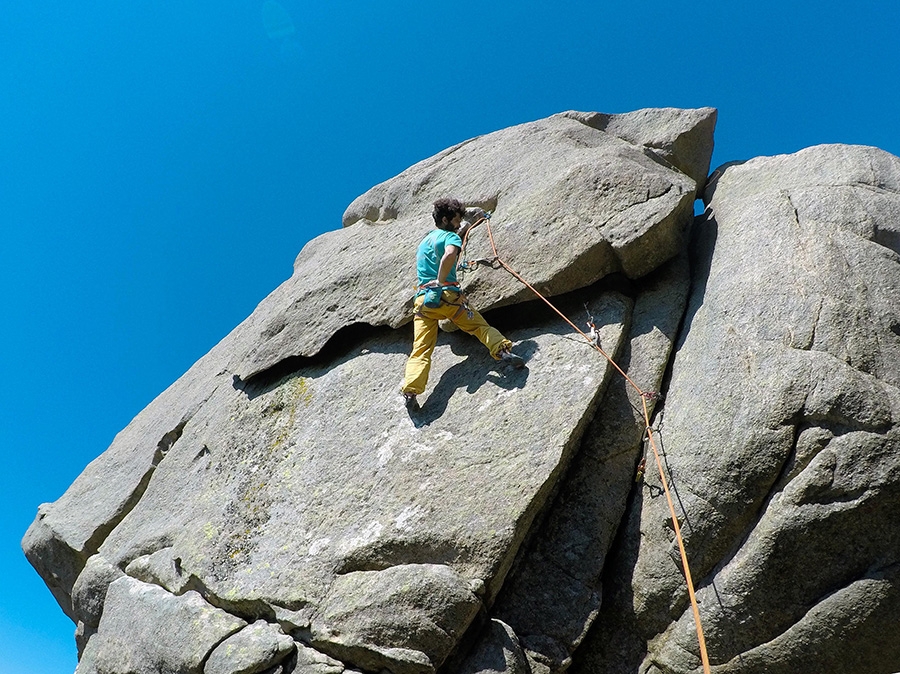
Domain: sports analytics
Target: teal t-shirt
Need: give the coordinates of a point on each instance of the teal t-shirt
(430, 252)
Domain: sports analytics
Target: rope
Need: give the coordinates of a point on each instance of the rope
(645, 396)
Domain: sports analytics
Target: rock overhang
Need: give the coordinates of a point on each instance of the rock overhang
(572, 202)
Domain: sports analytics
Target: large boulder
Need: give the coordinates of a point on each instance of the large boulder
(277, 510)
(314, 492)
(680, 137)
(781, 431)
(279, 493)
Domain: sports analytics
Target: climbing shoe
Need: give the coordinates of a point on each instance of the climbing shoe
(410, 401)
(510, 358)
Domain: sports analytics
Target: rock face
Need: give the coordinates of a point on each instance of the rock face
(780, 431)
(277, 510)
(145, 629)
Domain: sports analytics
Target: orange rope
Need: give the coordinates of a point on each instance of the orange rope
(644, 397)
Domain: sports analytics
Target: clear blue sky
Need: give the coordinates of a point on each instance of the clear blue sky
(162, 163)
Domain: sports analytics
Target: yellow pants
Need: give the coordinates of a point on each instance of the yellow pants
(425, 327)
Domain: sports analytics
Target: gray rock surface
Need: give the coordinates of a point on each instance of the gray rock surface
(147, 630)
(406, 618)
(310, 661)
(679, 137)
(554, 597)
(780, 431)
(256, 648)
(88, 596)
(268, 517)
(498, 652)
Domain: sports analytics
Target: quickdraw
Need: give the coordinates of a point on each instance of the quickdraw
(472, 265)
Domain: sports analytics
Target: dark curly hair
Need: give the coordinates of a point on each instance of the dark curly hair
(446, 208)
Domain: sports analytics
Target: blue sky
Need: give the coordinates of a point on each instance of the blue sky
(162, 163)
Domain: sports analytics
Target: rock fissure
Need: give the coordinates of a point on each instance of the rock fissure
(101, 533)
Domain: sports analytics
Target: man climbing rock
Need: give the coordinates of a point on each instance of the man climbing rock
(439, 297)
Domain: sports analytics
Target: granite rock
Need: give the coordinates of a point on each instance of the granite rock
(256, 648)
(147, 630)
(780, 431)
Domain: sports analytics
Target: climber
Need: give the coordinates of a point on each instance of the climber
(439, 297)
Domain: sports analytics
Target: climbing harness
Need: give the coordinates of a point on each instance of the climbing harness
(449, 285)
(463, 305)
(434, 297)
(434, 291)
(645, 396)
